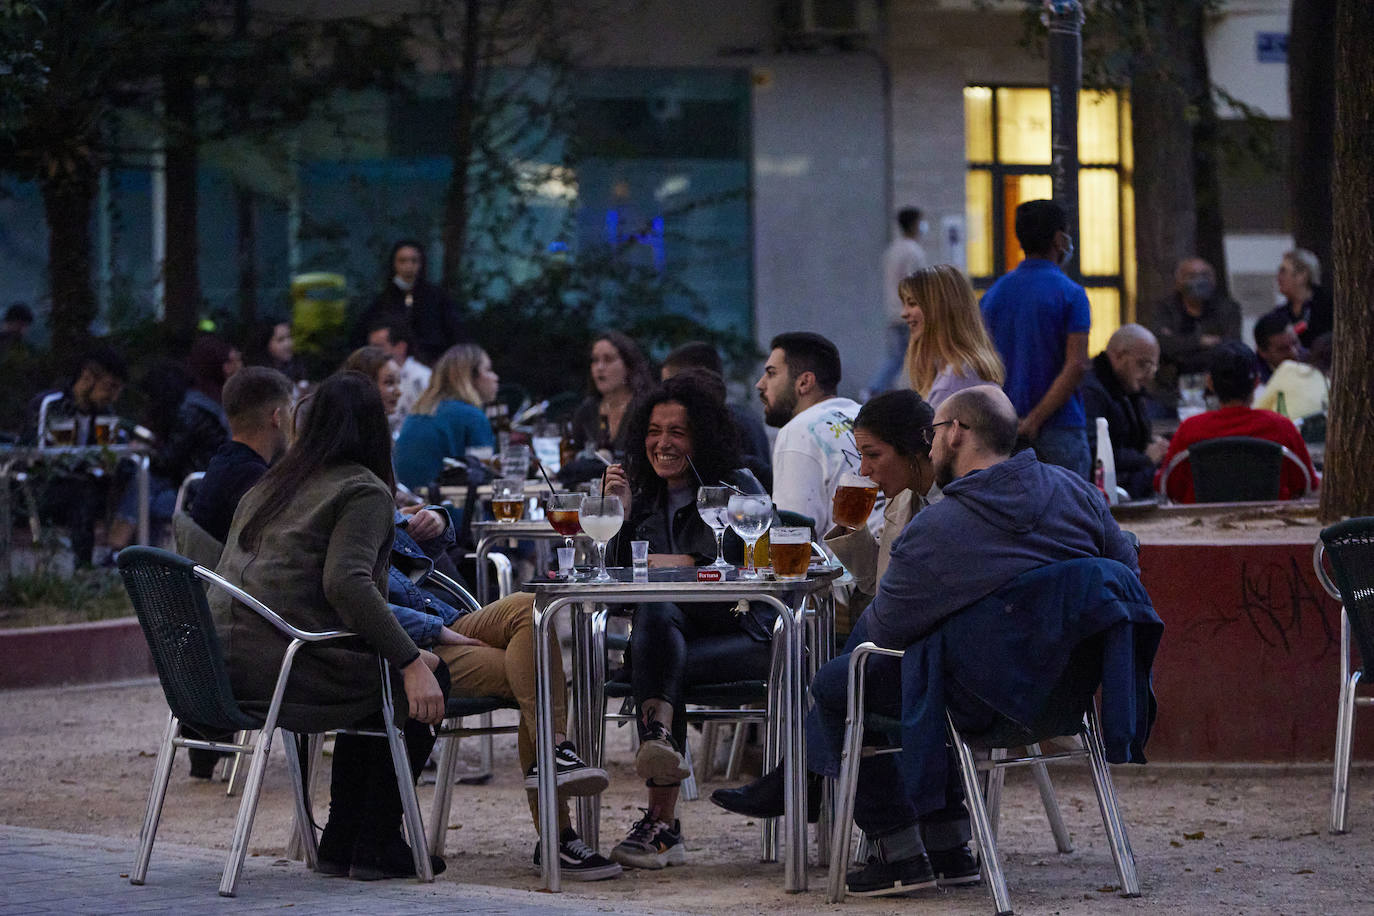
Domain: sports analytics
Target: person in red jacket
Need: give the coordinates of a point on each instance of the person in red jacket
(1232, 379)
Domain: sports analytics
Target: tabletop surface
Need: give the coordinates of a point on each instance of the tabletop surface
(682, 579)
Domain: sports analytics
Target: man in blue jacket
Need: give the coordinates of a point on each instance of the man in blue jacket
(1002, 515)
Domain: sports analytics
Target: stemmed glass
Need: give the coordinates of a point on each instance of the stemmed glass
(562, 514)
(713, 504)
(601, 518)
(750, 516)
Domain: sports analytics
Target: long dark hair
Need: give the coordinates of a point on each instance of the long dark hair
(715, 441)
(342, 421)
(389, 269)
(638, 378)
(896, 417)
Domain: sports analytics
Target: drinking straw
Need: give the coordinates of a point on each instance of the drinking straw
(552, 488)
(603, 488)
(700, 483)
(730, 486)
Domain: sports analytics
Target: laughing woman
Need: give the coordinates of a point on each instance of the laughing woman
(681, 424)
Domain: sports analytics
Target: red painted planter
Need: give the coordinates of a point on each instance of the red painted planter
(1249, 667)
(79, 653)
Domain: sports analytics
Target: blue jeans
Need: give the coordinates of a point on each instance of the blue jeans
(1067, 447)
(894, 357)
(881, 805)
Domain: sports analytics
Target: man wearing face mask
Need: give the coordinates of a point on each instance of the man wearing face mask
(1039, 320)
(1190, 323)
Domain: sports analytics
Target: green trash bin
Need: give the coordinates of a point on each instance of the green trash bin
(319, 312)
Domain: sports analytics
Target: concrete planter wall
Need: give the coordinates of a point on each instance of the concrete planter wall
(79, 653)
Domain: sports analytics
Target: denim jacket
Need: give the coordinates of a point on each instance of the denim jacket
(419, 612)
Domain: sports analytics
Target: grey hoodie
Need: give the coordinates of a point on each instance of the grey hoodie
(991, 526)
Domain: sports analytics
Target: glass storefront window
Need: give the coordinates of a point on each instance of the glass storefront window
(1097, 128)
(1023, 126)
(1099, 222)
(1105, 302)
(978, 124)
(978, 207)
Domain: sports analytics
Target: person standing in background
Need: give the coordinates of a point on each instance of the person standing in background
(903, 257)
(433, 316)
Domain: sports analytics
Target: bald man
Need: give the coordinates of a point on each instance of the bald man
(1002, 515)
(1115, 388)
(1191, 322)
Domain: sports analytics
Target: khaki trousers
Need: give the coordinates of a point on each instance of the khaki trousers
(504, 667)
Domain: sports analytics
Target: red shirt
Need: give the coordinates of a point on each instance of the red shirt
(1236, 421)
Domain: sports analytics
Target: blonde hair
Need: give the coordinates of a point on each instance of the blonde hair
(454, 379)
(952, 333)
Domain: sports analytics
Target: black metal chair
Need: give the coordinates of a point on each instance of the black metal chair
(1234, 469)
(168, 597)
(1350, 547)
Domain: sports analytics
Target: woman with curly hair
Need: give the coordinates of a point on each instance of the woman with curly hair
(949, 349)
(680, 436)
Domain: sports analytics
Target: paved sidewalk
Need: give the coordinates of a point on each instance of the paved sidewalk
(44, 871)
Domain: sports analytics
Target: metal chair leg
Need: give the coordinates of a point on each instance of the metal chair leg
(845, 787)
(443, 790)
(1062, 842)
(303, 844)
(737, 743)
(689, 785)
(988, 858)
(996, 778)
(710, 747)
(1117, 839)
(236, 768)
(410, 804)
(1345, 730)
(157, 793)
(248, 808)
(772, 743)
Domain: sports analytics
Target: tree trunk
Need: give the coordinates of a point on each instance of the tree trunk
(1311, 103)
(69, 199)
(181, 271)
(457, 205)
(1348, 487)
(1211, 231)
(1165, 203)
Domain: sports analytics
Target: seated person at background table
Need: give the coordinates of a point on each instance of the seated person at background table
(311, 541)
(1115, 388)
(393, 333)
(678, 425)
(755, 451)
(798, 393)
(890, 433)
(1232, 379)
(1276, 342)
(1308, 307)
(257, 401)
(274, 348)
(1195, 318)
(1299, 389)
(188, 420)
(619, 373)
(1001, 515)
(77, 499)
(448, 418)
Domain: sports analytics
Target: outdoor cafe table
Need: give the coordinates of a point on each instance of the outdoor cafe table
(488, 534)
(679, 585)
(14, 459)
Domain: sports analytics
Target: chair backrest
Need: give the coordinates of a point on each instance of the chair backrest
(1350, 545)
(186, 493)
(169, 600)
(1235, 469)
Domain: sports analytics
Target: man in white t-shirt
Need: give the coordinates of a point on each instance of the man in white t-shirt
(901, 259)
(798, 393)
(392, 332)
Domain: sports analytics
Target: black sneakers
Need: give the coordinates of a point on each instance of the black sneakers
(954, 867)
(579, 862)
(659, 758)
(883, 879)
(651, 843)
(573, 775)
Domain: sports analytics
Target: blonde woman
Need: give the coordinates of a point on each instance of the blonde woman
(949, 348)
(447, 418)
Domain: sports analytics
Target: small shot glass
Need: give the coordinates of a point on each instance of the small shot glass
(639, 555)
(566, 557)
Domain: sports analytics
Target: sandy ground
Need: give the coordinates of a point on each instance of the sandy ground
(1206, 841)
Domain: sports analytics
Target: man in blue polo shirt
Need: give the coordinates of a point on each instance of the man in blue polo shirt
(1039, 321)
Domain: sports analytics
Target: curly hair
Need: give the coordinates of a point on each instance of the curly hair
(715, 441)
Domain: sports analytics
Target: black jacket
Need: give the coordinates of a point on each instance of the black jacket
(1128, 422)
(432, 315)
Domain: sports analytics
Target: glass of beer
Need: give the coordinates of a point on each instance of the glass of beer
(62, 431)
(508, 499)
(562, 515)
(790, 549)
(105, 428)
(854, 499)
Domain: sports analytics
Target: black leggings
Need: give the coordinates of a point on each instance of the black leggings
(675, 646)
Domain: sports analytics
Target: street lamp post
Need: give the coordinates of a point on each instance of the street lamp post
(1064, 19)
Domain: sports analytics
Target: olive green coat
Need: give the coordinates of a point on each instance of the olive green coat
(321, 565)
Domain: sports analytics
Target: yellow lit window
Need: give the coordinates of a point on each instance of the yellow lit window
(1097, 128)
(978, 206)
(1105, 302)
(1023, 126)
(1099, 222)
(978, 124)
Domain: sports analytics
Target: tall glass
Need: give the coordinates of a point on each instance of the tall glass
(601, 518)
(854, 498)
(750, 517)
(508, 499)
(713, 504)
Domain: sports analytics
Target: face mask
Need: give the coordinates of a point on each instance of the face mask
(1067, 255)
(923, 227)
(1200, 287)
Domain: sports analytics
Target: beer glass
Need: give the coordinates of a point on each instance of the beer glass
(62, 431)
(508, 499)
(791, 552)
(750, 517)
(105, 428)
(601, 518)
(713, 505)
(854, 499)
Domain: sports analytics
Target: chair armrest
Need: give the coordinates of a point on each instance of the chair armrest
(455, 589)
(1318, 555)
(1290, 455)
(266, 612)
(1163, 488)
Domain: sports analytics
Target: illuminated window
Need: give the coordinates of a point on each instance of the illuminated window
(1007, 145)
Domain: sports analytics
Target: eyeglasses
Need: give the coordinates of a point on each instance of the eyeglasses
(928, 432)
